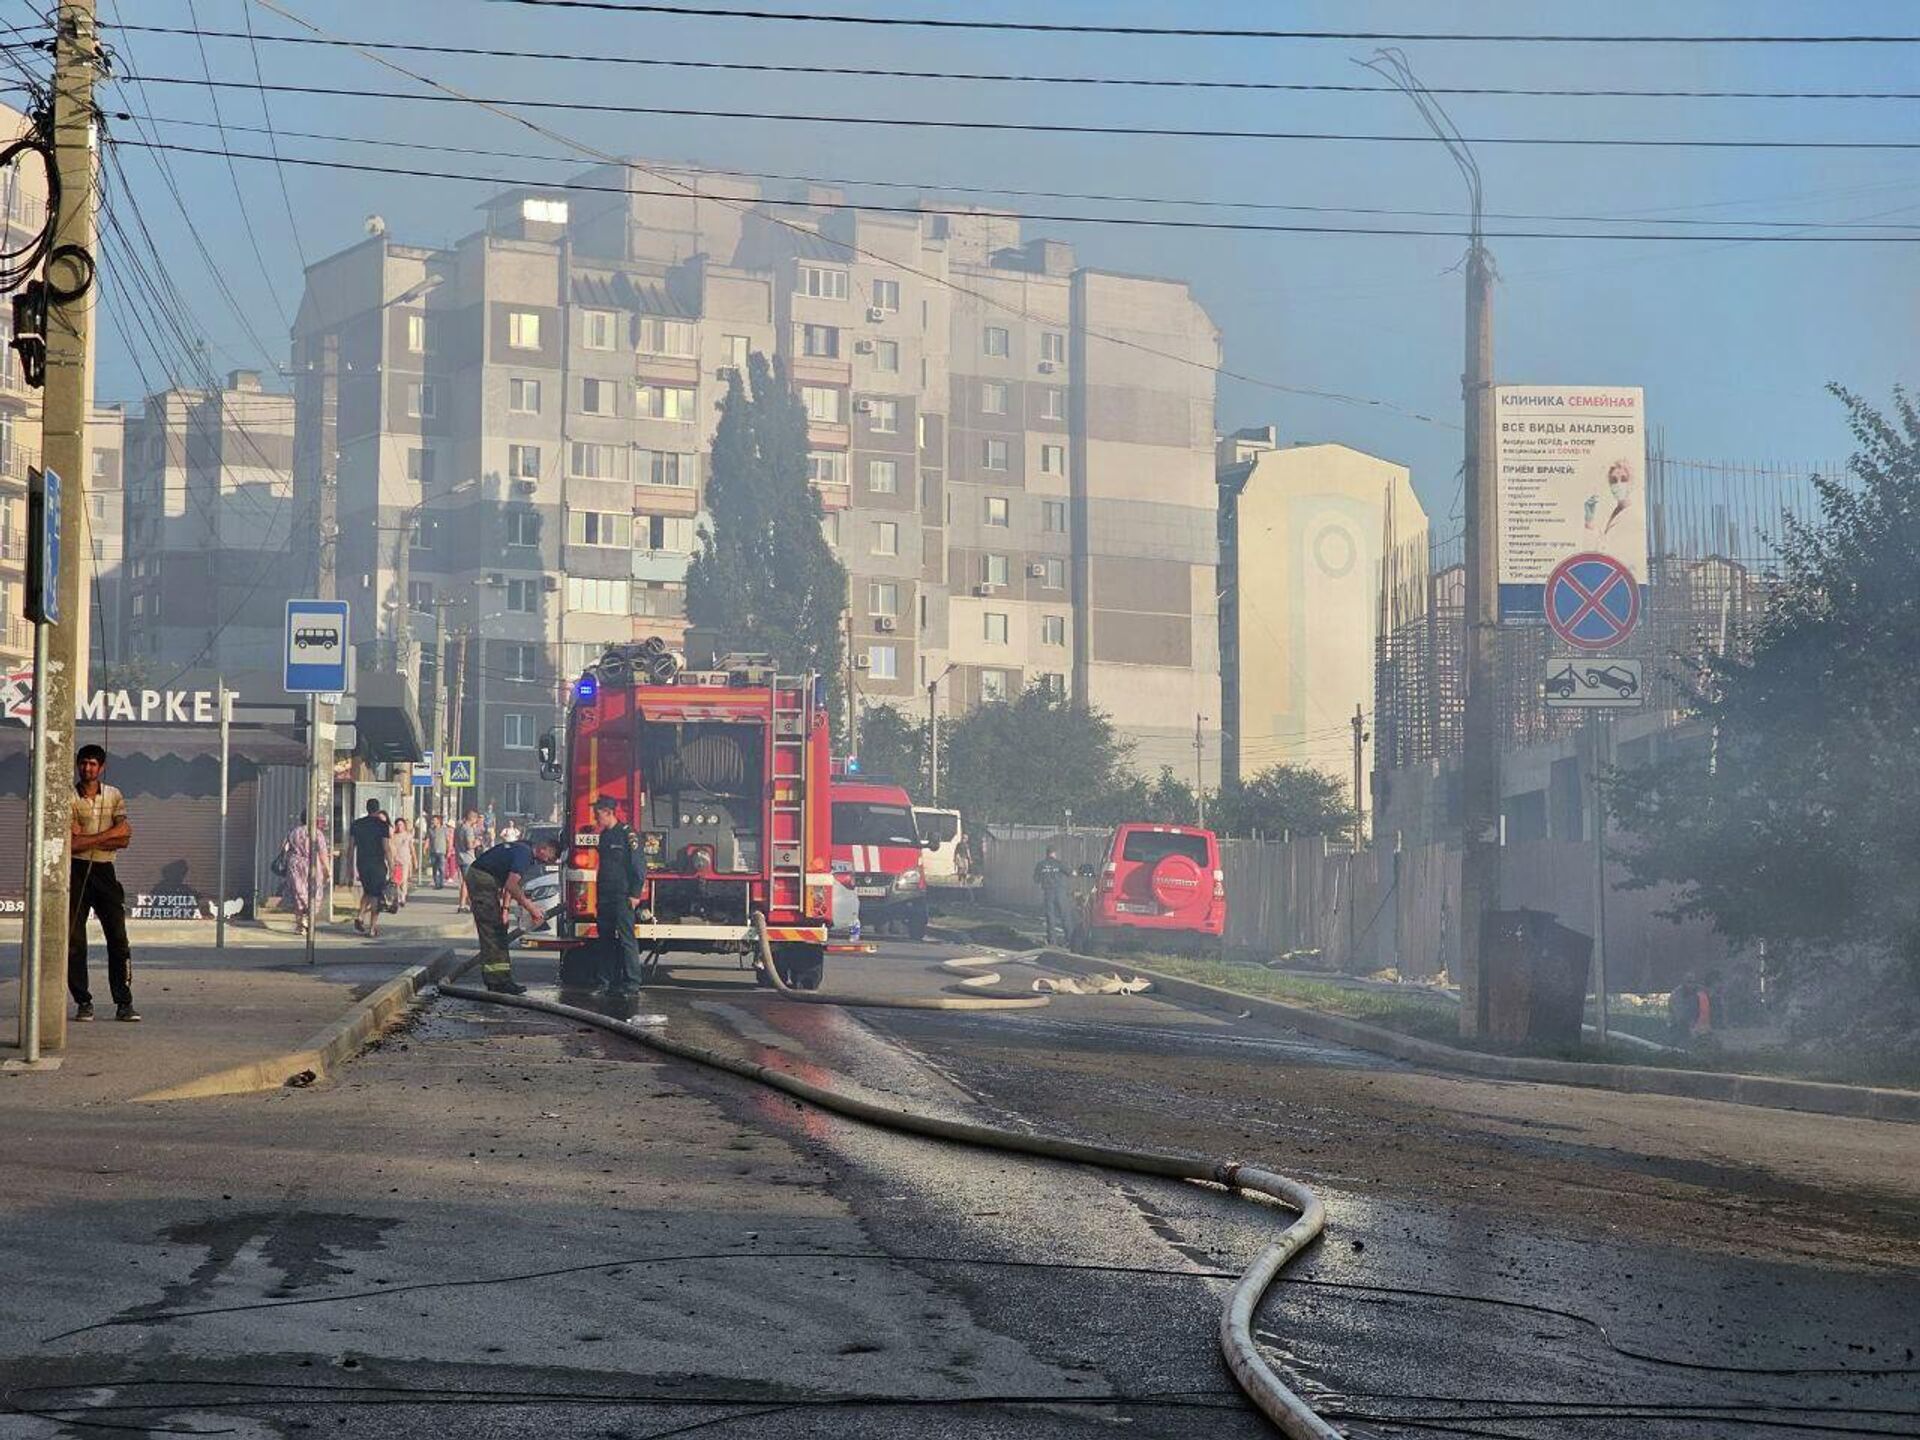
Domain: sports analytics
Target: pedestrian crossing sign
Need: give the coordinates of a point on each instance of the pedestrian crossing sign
(459, 771)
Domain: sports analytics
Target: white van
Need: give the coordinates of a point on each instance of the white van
(944, 867)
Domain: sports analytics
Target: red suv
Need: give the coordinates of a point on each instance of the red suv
(1158, 880)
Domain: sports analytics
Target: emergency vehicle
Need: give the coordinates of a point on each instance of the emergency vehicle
(723, 774)
(877, 851)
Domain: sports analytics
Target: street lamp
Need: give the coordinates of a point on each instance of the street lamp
(933, 736)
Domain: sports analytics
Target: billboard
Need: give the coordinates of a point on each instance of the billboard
(1570, 464)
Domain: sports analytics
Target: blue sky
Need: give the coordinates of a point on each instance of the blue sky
(1733, 342)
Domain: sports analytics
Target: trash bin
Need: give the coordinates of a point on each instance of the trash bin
(1536, 978)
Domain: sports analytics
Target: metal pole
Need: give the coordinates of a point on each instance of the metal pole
(933, 746)
(1359, 796)
(1599, 737)
(313, 841)
(220, 895)
(36, 843)
(1199, 772)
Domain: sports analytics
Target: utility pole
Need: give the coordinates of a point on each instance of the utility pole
(226, 750)
(933, 745)
(437, 794)
(69, 391)
(853, 698)
(1359, 796)
(1480, 741)
(319, 712)
(1599, 728)
(1199, 771)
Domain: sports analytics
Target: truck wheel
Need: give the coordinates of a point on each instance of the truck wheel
(917, 923)
(803, 967)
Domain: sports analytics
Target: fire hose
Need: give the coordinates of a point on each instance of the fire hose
(1256, 1378)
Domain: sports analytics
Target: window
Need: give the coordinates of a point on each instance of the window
(996, 341)
(820, 342)
(593, 462)
(993, 398)
(1053, 516)
(658, 600)
(523, 527)
(597, 397)
(993, 569)
(996, 511)
(417, 333)
(1052, 682)
(599, 527)
(830, 528)
(599, 330)
(824, 404)
(1053, 404)
(664, 534)
(993, 686)
(1053, 347)
(420, 596)
(1053, 459)
(667, 468)
(659, 336)
(821, 283)
(826, 468)
(994, 628)
(523, 329)
(422, 402)
(544, 212)
(520, 797)
(883, 477)
(1056, 576)
(883, 597)
(523, 462)
(664, 402)
(598, 597)
(886, 294)
(523, 597)
(883, 662)
(737, 348)
(884, 416)
(519, 731)
(523, 396)
(519, 661)
(1053, 629)
(886, 356)
(420, 465)
(886, 538)
(100, 464)
(993, 454)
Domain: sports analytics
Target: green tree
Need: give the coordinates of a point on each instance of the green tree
(1797, 827)
(764, 578)
(893, 747)
(1030, 760)
(1282, 800)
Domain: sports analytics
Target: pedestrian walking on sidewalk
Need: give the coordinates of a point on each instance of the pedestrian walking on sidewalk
(309, 872)
(400, 857)
(494, 881)
(437, 850)
(1054, 880)
(466, 847)
(100, 831)
(368, 836)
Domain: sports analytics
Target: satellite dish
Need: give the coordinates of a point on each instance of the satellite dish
(376, 225)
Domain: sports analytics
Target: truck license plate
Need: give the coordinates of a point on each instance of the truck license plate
(870, 892)
(1125, 909)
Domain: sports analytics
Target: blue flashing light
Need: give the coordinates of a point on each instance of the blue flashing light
(587, 688)
(853, 765)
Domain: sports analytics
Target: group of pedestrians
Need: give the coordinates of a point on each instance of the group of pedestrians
(390, 858)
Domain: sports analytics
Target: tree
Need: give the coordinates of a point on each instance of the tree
(893, 747)
(1283, 800)
(1798, 829)
(1030, 760)
(765, 579)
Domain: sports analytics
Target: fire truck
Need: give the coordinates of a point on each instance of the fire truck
(723, 774)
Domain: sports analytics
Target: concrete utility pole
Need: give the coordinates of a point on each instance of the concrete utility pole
(1480, 740)
(1199, 771)
(69, 390)
(853, 695)
(1359, 795)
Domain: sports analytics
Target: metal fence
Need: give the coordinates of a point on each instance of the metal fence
(1386, 908)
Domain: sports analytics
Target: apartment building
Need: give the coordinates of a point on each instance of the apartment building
(106, 537)
(210, 522)
(1014, 454)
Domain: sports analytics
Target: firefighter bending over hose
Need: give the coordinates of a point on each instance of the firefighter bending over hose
(493, 881)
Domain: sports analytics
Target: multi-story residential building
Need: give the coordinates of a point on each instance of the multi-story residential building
(1303, 530)
(1013, 453)
(210, 524)
(106, 521)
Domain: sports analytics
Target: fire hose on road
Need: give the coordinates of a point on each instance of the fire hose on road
(1256, 1378)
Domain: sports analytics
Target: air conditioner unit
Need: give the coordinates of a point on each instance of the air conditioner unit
(874, 312)
(494, 577)
(863, 407)
(1047, 367)
(526, 487)
(863, 347)
(986, 589)
(885, 624)
(862, 662)
(550, 583)
(1036, 571)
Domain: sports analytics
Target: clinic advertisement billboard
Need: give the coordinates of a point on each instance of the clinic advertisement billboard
(1571, 466)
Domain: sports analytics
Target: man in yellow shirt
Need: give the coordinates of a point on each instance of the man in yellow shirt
(100, 831)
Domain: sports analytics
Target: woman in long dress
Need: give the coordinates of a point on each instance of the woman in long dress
(305, 865)
(400, 857)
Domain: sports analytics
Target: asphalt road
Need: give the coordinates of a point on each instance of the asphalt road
(476, 1229)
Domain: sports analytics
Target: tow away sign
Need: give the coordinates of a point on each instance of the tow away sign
(1592, 682)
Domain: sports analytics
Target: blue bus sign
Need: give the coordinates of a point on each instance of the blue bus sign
(43, 558)
(316, 647)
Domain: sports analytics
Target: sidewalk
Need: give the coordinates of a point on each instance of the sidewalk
(205, 1010)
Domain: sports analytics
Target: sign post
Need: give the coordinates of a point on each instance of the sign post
(226, 747)
(315, 656)
(43, 609)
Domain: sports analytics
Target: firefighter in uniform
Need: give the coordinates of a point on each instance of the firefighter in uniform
(619, 876)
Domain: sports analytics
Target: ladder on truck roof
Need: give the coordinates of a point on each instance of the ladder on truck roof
(787, 845)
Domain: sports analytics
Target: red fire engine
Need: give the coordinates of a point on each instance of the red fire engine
(723, 775)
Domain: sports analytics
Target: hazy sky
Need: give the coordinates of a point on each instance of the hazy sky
(1733, 342)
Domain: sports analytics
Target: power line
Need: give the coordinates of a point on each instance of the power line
(1257, 227)
(722, 12)
(1012, 77)
(1190, 202)
(273, 140)
(1042, 127)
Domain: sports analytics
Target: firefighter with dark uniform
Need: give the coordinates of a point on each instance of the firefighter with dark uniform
(619, 881)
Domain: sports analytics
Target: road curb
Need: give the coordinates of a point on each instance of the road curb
(323, 1053)
(1772, 1092)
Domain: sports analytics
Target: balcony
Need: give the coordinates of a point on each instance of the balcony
(661, 564)
(818, 370)
(834, 496)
